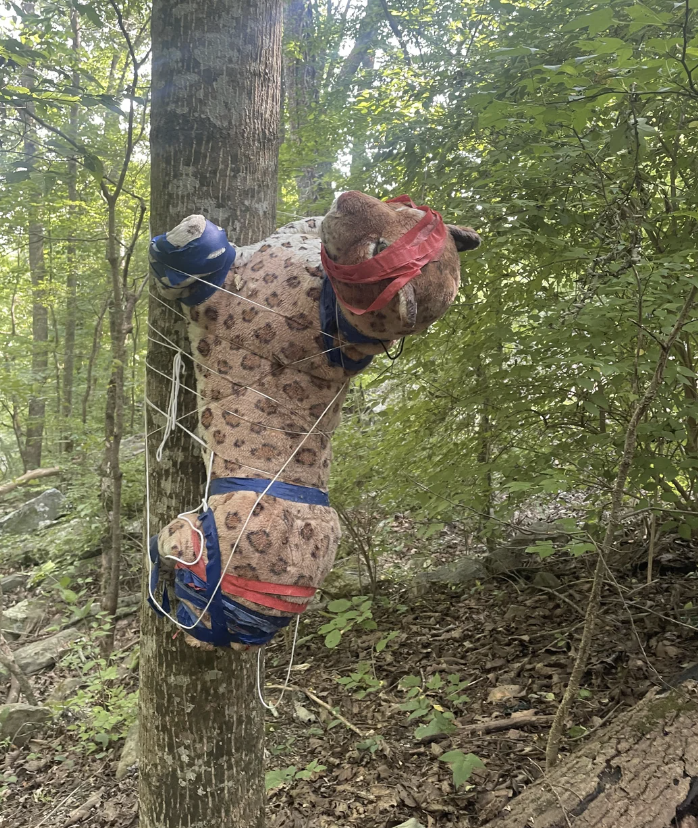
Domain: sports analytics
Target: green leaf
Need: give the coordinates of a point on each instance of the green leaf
(340, 605)
(462, 765)
(684, 531)
(439, 724)
(333, 639)
(580, 548)
(276, 778)
(90, 13)
(597, 21)
(544, 549)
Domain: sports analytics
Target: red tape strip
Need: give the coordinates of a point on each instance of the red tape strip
(399, 262)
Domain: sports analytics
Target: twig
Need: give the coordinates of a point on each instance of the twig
(580, 664)
(27, 478)
(80, 813)
(8, 659)
(650, 553)
(527, 717)
(61, 804)
(596, 727)
(562, 597)
(323, 704)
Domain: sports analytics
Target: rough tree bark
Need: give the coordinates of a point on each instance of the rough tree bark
(642, 771)
(37, 402)
(214, 139)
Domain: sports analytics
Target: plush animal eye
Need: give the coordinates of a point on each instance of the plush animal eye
(379, 246)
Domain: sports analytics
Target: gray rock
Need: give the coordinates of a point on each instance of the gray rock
(35, 513)
(10, 583)
(546, 580)
(344, 583)
(65, 689)
(503, 560)
(26, 616)
(19, 722)
(75, 535)
(129, 754)
(134, 527)
(35, 657)
(459, 571)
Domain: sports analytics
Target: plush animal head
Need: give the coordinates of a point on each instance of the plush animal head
(359, 227)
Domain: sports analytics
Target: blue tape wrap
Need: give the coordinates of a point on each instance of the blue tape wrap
(335, 326)
(284, 491)
(177, 264)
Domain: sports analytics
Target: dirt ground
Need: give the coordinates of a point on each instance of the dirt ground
(512, 639)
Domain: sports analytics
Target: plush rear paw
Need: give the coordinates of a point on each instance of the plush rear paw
(188, 230)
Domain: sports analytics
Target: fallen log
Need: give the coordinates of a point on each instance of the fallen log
(640, 771)
(27, 477)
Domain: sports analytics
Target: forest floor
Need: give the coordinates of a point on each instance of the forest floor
(511, 638)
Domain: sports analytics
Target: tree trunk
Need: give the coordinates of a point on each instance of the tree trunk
(214, 139)
(641, 771)
(114, 427)
(72, 276)
(94, 353)
(302, 70)
(37, 401)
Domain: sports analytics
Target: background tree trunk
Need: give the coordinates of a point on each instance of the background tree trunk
(37, 401)
(214, 138)
(71, 285)
(642, 771)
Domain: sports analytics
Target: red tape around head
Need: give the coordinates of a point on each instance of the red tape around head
(400, 262)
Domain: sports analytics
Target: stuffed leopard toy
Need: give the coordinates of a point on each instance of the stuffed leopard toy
(277, 331)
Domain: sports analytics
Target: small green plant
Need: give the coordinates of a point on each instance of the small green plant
(346, 614)
(277, 750)
(101, 711)
(372, 744)
(383, 643)
(424, 702)
(283, 776)
(462, 765)
(361, 682)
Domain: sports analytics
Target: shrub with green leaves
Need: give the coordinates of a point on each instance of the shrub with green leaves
(102, 710)
(285, 776)
(426, 701)
(345, 614)
(361, 681)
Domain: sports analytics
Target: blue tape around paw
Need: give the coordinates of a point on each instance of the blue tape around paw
(209, 257)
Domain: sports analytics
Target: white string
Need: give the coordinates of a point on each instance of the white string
(187, 627)
(183, 516)
(199, 440)
(171, 420)
(282, 365)
(210, 401)
(171, 345)
(246, 299)
(273, 707)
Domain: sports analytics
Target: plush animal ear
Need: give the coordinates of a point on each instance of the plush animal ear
(464, 237)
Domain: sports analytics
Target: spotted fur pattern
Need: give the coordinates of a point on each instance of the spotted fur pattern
(264, 381)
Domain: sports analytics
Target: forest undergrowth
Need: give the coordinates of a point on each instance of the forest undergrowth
(433, 701)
